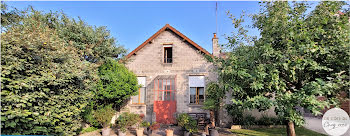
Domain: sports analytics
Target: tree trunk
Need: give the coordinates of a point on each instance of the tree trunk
(290, 128)
(212, 118)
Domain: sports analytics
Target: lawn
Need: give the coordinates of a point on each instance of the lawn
(300, 131)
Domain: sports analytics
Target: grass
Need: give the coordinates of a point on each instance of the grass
(300, 131)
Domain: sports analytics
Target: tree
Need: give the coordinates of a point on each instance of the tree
(45, 84)
(214, 96)
(94, 44)
(49, 68)
(116, 84)
(299, 57)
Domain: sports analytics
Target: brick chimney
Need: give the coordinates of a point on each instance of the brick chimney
(216, 47)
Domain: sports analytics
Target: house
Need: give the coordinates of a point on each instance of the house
(173, 72)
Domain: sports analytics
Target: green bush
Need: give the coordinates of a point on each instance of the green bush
(145, 124)
(48, 68)
(187, 122)
(89, 117)
(248, 120)
(44, 83)
(126, 120)
(116, 84)
(236, 113)
(104, 115)
(89, 129)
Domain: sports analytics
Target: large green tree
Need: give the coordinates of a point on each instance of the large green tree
(299, 56)
(49, 70)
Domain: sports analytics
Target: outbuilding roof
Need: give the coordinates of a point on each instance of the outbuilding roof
(168, 27)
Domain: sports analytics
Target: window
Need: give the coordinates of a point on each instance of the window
(167, 92)
(197, 95)
(141, 96)
(168, 54)
(196, 84)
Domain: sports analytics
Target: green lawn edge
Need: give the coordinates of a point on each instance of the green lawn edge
(300, 131)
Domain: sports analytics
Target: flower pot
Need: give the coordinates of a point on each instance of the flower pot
(106, 131)
(186, 133)
(213, 132)
(139, 132)
(169, 132)
(121, 133)
(149, 132)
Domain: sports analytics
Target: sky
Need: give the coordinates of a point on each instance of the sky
(133, 22)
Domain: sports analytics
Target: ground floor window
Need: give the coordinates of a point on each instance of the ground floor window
(196, 84)
(197, 95)
(140, 98)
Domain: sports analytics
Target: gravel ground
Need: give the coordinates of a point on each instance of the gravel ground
(315, 124)
(160, 132)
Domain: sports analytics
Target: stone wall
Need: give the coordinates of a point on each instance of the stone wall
(187, 61)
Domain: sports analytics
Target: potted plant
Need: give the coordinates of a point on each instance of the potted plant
(187, 123)
(103, 116)
(124, 121)
(139, 129)
(153, 127)
(213, 132)
(146, 125)
(169, 131)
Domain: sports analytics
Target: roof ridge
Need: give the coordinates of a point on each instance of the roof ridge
(176, 32)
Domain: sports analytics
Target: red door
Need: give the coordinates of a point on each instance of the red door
(164, 100)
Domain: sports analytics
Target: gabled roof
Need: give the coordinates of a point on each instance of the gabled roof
(168, 27)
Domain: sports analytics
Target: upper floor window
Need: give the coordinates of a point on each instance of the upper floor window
(140, 98)
(168, 54)
(196, 84)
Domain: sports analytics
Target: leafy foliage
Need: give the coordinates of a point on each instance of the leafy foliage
(49, 67)
(214, 96)
(187, 122)
(126, 120)
(116, 84)
(89, 129)
(300, 56)
(104, 115)
(45, 84)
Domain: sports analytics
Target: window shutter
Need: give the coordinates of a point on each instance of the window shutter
(142, 81)
(196, 81)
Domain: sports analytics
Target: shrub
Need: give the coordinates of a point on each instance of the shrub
(187, 122)
(44, 84)
(104, 115)
(116, 84)
(248, 120)
(89, 129)
(236, 113)
(126, 120)
(154, 126)
(265, 120)
(145, 124)
(48, 68)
